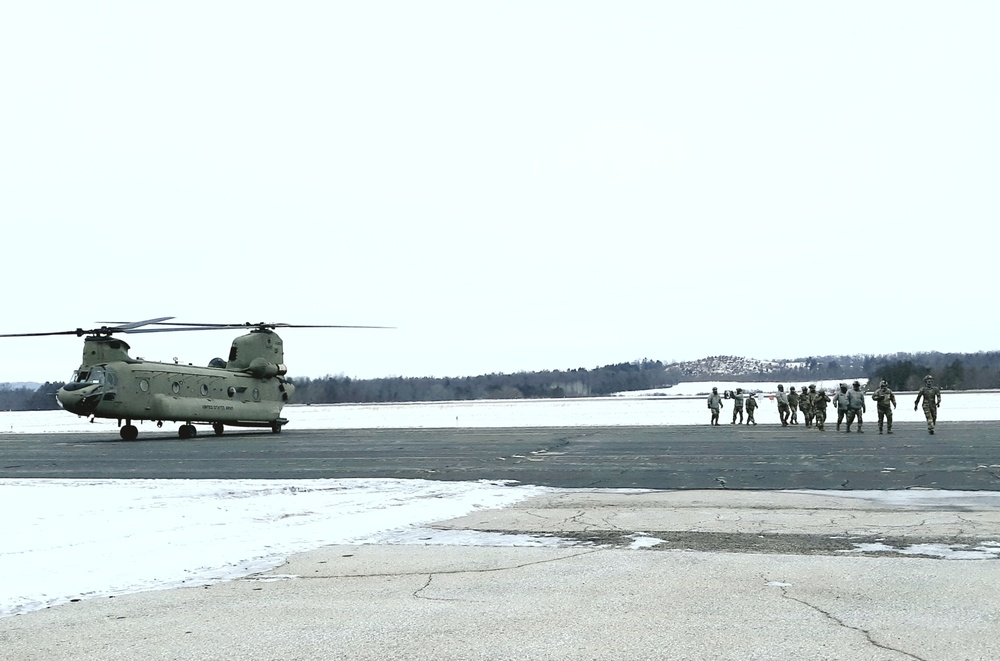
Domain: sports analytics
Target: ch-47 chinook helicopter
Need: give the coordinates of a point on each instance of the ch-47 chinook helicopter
(248, 390)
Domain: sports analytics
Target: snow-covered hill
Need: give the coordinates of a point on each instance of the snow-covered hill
(731, 365)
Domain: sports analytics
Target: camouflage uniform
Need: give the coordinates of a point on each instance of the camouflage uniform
(840, 399)
(737, 405)
(932, 400)
(715, 403)
(793, 405)
(783, 412)
(886, 403)
(806, 405)
(751, 406)
(855, 406)
(819, 401)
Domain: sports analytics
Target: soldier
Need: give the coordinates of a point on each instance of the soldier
(932, 401)
(806, 404)
(783, 405)
(819, 400)
(715, 403)
(886, 402)
(737, 405)
(751, 406)
(793, 405)
(840, 399)
(855, 406)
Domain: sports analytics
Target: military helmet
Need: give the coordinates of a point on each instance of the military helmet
(715, 390)
(883, 384)
(812, 386)
(928, 377)
(792, 389)
(856, 384)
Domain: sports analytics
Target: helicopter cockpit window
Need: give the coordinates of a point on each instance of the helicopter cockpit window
(93, 375)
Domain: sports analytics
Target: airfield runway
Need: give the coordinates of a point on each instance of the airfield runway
(960, 456)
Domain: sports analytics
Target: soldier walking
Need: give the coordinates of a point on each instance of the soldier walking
(737, 405)
(793, 405)
(806, 404)
(714, 404)
(932, 401)
(886, 403)
(820, 400)
(840, 399)
(751, 407)
(783, 403)
(855, 406)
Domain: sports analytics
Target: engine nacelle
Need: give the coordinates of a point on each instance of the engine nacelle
(265, 369)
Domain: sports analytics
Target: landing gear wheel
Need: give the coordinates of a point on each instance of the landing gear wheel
(187, 431)
(129, 432)
(217, 426)
(275, 428)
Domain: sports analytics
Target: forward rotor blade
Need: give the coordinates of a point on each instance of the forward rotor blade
(79, 332)
(183, 325)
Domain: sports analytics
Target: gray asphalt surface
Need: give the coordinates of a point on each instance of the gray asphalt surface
(960, 456)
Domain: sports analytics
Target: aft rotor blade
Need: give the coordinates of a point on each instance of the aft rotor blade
(136, 324)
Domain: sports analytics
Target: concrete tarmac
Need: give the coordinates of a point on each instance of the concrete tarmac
(623, 575)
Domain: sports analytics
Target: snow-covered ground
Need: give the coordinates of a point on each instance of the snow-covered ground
(682, 404)
(71, 539)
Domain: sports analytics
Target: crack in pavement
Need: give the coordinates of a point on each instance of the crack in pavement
(485, 570)
(430, 577)
(839, 622)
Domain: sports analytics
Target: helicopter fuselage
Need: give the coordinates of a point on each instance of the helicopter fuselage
(248, 391)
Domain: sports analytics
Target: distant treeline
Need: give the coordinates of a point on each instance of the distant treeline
(952, 371)
(42, 398)
(902, 371)
(638, 375)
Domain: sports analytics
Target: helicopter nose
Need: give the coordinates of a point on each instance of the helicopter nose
(80, 398)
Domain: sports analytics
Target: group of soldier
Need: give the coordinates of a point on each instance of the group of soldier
(812, 403)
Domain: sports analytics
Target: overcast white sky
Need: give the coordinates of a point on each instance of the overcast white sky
(513, 186)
